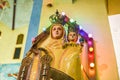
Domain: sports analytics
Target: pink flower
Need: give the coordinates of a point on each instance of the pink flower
(33, 39)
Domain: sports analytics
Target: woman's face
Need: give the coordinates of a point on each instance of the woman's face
(57, 32)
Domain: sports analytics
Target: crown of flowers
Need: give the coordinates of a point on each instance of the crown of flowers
(64, 20)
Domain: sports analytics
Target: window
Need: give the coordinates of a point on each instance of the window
(20, 39)
(0, 33)
(17, 53)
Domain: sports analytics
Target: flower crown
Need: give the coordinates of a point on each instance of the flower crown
(64, 20)
(56, 18)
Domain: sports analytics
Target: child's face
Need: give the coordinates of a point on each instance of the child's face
(57, 32)
(72, 36)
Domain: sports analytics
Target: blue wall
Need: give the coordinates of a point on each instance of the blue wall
(34, 24)
(6, 69)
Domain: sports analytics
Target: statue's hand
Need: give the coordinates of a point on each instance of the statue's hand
(35, 51)
(46, 59)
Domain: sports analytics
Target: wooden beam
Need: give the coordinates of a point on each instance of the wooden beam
(113, 7)
(14, 13)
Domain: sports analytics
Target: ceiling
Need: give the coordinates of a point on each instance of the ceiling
(22, 16)
(24, 8)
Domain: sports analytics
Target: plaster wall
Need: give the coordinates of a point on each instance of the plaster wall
(92, 16)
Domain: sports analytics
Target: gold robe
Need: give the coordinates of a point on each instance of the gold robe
(66, 59)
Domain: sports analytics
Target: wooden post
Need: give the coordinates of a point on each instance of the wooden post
(14, 13)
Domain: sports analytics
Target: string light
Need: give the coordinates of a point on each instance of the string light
(92, 65)
(44, 29)
(80, 27)
(89, 43)
(90, 49)
(71, 20)
(91, 56)
(90, 35)
(63, 13)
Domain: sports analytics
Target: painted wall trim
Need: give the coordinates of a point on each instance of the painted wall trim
(34, 24)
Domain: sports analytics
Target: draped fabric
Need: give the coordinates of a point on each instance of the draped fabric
(65, 61)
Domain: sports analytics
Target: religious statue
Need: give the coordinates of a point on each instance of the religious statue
(72, 35)
(65, 59)
(54, 55)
